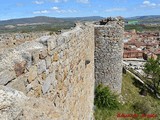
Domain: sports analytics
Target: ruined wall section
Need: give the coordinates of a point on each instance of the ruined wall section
(108, 53)
(58, 69)
(11, 40)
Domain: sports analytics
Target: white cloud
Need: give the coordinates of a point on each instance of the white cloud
(41, 12)
(115, 9)
(59, 10)
(83, 1)
(38, 2)
(146, 2)
(149, 4)
(57, 1)
(55, 8)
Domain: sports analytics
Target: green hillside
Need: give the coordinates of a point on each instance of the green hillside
(133, 103)
(42, 23)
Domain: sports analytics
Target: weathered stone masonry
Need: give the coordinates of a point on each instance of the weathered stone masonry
(8, 40)
(55, 70)
(52, 78)
(108, 53)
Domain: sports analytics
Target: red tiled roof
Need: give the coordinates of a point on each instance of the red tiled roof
(157, 52)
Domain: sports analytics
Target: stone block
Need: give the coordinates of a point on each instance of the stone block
(43, 40)
(38, 91)
(35, 56)
(29, 87)
(43, 54)
(53, 67)
(28, 58)
(11, 104)
(60, 41)
(41, 66)
(51, 43)
(61, 54)
(32, 73)
(55, 57)
(48, 61)
(48, 82)
(19, 84)
(51, 52)
(44, 75)
(20, 68)
(6, 76)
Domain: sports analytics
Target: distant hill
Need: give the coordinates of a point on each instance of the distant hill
(42, 23)
(145, 19)
(90, 18)
(44, 19)
(39, 19)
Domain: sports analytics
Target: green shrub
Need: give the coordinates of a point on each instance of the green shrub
(105, 99)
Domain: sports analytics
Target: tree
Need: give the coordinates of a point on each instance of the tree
(152, 70)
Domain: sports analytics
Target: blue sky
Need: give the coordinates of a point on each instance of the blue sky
(10, 9)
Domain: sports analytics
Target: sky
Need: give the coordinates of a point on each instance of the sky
(10, 9)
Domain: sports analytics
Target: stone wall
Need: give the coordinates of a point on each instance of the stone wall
(108, 53)
(8, 40)
(58, 69)
(52, 78)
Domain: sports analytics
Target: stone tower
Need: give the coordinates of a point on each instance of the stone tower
(108, 53)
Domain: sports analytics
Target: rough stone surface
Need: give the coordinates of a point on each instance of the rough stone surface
(32, 73)
(16, 106)
(108, 53)
(41, 66)
(55, 57)
(6, 76)
(43, 54)
(58, 79)
(47, 83)
(20, 68)
(51, 43)
(11, 103)
(48, 62)
(11, 40)
(19, 84)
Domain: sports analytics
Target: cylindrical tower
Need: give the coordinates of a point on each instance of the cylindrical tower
(109, 53)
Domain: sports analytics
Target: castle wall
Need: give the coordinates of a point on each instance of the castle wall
(108, 53)
(53, 77)
(11, 40)
(59, 69)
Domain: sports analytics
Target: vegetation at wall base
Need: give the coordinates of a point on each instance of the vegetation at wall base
(105, 99)
(132, 102)
(106, 102)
